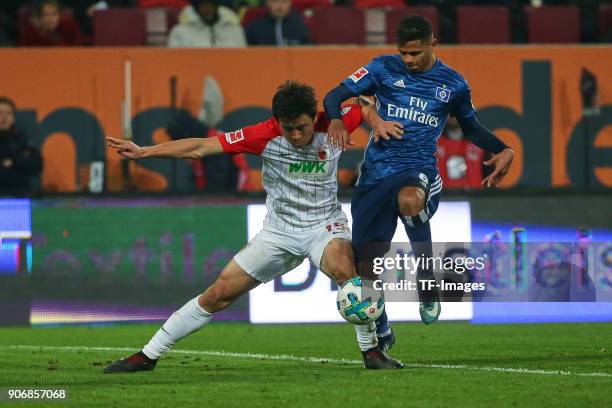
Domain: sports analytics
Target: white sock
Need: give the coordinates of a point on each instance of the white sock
(366, 336)
(189, 318)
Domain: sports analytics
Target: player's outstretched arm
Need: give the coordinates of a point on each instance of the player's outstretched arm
(193, 148)
(486, 140)
(338, 134)
(382, 129)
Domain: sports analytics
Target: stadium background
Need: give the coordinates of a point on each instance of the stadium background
(91, 261)
(73, 253)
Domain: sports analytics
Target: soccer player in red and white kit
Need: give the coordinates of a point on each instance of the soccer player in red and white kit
(304, 218)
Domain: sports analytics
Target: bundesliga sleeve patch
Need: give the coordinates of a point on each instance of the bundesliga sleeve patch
(234, 137)
(360, 73)
(346, 110)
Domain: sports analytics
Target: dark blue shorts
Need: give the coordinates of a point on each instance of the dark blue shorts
(375, 209)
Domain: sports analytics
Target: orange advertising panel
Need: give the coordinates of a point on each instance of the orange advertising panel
(529, 95)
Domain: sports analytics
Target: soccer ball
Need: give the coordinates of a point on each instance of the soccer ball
(358, 302)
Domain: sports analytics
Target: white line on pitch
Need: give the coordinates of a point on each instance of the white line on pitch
(288, 357)
(280, 357)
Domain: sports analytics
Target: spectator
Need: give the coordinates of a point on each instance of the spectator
(18, 159)
(459, 161)
(5, 41)
(205, 24)
(8, 21)
(280, 26)
(49, 27)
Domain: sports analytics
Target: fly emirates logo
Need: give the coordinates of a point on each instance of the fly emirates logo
(416, 112)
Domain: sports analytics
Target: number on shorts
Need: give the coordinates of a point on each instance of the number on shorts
(335, 227)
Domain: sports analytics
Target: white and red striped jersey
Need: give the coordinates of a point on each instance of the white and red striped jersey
(300, 182)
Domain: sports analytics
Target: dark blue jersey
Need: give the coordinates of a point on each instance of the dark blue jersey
(420, 101)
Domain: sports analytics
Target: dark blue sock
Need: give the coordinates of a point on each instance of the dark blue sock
(420, 240)
(418, 232)
(382, 324)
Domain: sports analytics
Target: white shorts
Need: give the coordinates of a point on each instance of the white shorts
(273, 252)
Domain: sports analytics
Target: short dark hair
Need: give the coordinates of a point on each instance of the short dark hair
(293, 99)
(196, 3)
(8, 101)
(413, 28)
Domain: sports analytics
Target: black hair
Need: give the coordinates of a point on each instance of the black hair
(8, 101)
(292, 99)
(414, 28)
(196, 3)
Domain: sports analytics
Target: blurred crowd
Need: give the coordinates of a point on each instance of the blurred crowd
(237, 23)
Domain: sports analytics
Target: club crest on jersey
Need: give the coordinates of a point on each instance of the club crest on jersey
(324, 152)
(233, 137)
(442, 93)
(360, 73)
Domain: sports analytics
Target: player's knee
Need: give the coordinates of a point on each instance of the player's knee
(216, 297)
(411, 201)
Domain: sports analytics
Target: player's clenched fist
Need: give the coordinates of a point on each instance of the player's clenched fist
(126, 148)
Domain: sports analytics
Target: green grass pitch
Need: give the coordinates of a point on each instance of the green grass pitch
(243, 365)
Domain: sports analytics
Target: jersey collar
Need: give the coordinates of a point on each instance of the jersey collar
(432, 70)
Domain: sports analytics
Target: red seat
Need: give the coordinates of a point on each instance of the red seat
(162, 3)
(483, 25)
(172, 14)
(605, 22)
(390, 4)
(553, 24)
(395, 17)
(337, 25)
(305, 4)
(120, 26)
(253, 13)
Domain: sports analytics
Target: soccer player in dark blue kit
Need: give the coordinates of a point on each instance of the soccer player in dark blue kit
(415, 92)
